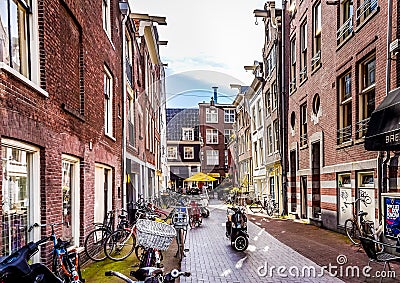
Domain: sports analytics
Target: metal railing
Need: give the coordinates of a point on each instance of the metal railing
(345, 30)
(344, 134)
(361, 127)
(316, 60)
(366, 8)
(303, 74)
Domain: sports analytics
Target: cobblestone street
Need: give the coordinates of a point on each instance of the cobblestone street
(211, 259)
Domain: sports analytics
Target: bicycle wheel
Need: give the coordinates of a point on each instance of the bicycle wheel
(270, 209)
(94, 244)
(57, 270)
(255, 207)
(119, 245)
(352, 231)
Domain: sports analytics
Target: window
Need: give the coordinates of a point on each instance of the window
(254, 117)
(292, 83)
(346, 19)
(303, 50)
(270, 139)
(106, 17)
(271, 62)
(187, 134)
(211, 115)
(274, 96)
(21, 193)
(172, 152)
(268, 101)
(255, 155)
(212, 157)
(15, 35)
(276, 134)
(229, 115)
(345, 104)
(212, 136)
(188, 152)
(272, 187)
(131, 121)
(303, 124)
(226, 158)
(70, 198)
(108, 103)
(316, 60)
(227, 135)
(259, 115)
(365, 9)
(366, 95)
(261, 146)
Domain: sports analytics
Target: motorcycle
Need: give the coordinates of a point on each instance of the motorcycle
(15, 267)
(236, 228)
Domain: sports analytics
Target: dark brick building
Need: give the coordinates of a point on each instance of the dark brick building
(60, 107)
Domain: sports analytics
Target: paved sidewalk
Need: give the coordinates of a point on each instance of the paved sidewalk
(211, 258)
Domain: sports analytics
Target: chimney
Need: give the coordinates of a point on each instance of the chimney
(215, 94)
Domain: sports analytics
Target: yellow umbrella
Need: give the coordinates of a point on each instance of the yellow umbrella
(200, 177)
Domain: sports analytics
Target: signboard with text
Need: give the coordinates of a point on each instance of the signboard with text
(392, 215)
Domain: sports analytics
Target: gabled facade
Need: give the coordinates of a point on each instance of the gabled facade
(183, 145)
(216, 127)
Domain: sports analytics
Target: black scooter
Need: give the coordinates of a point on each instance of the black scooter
(236, 228)
(15, 267)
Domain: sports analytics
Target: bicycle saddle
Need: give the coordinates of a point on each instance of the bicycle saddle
(145, 272)
(362, 213)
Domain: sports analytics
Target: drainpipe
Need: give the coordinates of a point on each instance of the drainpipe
(124, 97)
(388, 40)
(283, 108)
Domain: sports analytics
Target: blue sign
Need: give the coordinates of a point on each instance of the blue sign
(392, 216)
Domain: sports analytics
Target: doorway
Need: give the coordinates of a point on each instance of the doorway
(303, 197)
(316, 179)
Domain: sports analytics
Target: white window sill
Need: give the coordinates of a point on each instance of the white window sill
(110, 136)
(24, 79)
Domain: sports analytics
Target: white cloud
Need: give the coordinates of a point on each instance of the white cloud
(215, 35)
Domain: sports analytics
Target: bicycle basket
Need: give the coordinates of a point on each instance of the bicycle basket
(180, 216)
(152, 234)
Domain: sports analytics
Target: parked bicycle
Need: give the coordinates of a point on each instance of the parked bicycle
(181, 222)
(268, 205)
(65, 262)
(95, 240)
(359, 226)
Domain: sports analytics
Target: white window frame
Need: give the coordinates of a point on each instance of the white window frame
(226, 158)
(212, 157)
(108, 103)
(172, 152)
(227, 135)
(34, 185)
(106, 15)
(229, 115)
(187, 134)
(211, 136)
(211, 115)
(75, 197)
(188, 152)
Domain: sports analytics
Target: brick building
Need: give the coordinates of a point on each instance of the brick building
(60, 132)
(216, 122)
(337, 78)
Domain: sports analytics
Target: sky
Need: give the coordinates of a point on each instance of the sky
(209, 43)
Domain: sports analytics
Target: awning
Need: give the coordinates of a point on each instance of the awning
(383, 131)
